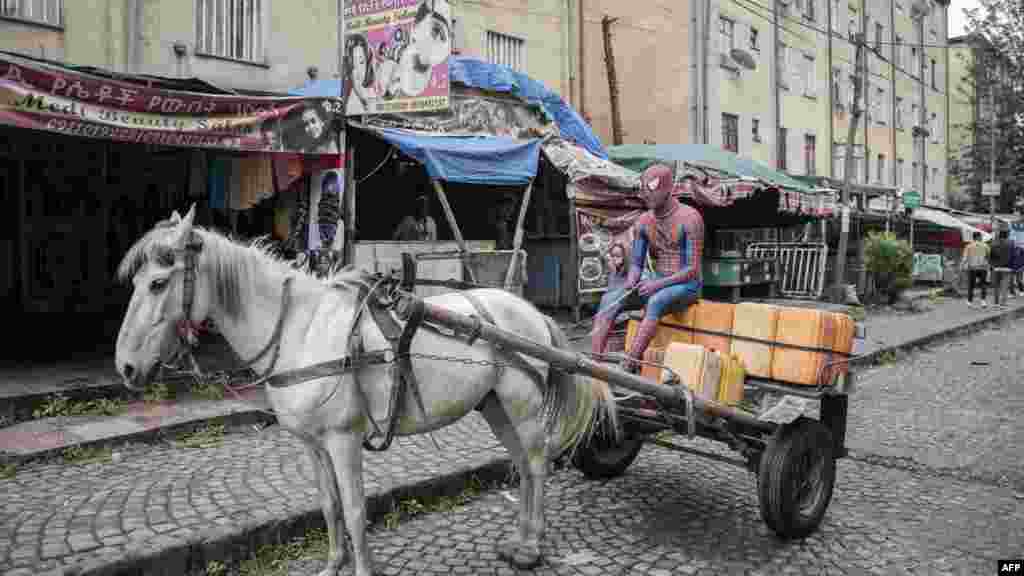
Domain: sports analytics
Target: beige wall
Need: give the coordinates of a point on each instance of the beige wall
(651, 43)
(98, 33)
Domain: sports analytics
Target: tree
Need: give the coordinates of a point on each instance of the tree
(995, 34)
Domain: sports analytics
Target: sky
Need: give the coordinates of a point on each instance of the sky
(956, 15)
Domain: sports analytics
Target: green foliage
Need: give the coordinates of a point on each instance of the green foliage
(205, 437)
(79, 454)
(891, 261)
(60, 405)
(157, 392)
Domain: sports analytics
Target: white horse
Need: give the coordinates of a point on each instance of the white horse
(183, 274)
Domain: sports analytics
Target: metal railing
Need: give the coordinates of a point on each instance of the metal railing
(801, 266)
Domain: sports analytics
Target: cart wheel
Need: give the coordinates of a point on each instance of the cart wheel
(796, 475)
(602, 457)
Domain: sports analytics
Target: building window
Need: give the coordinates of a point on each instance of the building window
(810, 79)
(230, 29)
(899, 173)
(505, 50)
(935, 175)
(854, 24)
(782, 65)
(45, 11)
(781, 148)
(899, 51)
(731, 132)
(913, 61)
(837, 89)
(879, 32)
(935, 84)
(726, 29)
(755, 129)
(809, 9)
(898, 113)
(838, 159)
(915, 176)
(835, 14)
(880, 175)
(881, 116)
(755, 42)
(810, 154)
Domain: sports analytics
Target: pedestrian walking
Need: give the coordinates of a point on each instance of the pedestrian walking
(999, 259)
(975, 263)
(1017, 265)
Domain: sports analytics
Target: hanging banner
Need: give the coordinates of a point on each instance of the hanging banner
(396, 56)
(40, 96)
(597, 232)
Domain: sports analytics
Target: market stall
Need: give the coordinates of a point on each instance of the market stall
(90, 159)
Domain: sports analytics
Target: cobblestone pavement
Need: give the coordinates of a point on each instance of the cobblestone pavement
(55, 514)
(676, 513)
(893, 328)
(956, 406)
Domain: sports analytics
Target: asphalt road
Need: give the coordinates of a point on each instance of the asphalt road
(934, 487)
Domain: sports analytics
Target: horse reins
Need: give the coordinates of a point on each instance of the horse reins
(188, 328)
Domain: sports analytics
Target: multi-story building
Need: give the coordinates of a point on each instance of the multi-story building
(972, 63)
(240, 44)
(805, 50)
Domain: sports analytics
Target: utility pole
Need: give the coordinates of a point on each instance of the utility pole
(992, 157)
(838, 294)
(613, 83)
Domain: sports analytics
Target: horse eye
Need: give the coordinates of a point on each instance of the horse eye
(439, 32)
(156, 286)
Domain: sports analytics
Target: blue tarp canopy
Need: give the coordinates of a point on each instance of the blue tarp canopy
(476, 73)
(486, 76)
(489, 160)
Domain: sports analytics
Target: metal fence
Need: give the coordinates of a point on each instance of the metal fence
(801, 266)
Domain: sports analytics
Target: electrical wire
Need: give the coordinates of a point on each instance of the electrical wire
(752, 7)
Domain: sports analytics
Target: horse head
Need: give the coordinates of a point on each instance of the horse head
(168, 299)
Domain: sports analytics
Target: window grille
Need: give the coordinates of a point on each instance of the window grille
(230, 29)
(506, 50)
(46, 11)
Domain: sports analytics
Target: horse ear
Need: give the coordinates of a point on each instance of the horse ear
(175, 217)
(183, 226)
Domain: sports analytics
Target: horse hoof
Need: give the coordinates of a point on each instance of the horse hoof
(520, 556)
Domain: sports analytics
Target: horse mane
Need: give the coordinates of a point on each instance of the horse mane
(231, 261)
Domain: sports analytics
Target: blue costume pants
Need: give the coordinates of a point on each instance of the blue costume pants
(670, 299)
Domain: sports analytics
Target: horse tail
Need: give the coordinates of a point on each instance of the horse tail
(576, 406)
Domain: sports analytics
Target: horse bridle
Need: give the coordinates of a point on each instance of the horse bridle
(187, 327)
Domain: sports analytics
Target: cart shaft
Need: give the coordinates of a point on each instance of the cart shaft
(572, 362)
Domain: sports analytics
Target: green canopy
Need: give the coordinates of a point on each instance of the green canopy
(638, 157)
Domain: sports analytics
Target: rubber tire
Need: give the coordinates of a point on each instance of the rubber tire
(598, 462)
(776, 493)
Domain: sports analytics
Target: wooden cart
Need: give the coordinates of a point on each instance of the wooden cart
(794, 460)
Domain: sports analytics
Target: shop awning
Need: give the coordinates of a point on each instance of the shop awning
(946, 220)
(638, 157)
(488, 160)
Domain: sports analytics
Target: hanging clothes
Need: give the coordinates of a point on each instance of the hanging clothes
(218, 182)
(255, 181)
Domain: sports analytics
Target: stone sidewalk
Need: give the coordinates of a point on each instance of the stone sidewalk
(164, 508)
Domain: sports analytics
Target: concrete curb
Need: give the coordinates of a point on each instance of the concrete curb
(874, 358)
(238, 418)
(171, 557)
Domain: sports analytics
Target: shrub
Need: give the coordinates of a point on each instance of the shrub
(891, 262)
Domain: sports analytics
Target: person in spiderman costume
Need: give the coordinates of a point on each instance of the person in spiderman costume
(673, 234)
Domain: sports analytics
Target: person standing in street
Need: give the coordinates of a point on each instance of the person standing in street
(975, 263)
(999, 259)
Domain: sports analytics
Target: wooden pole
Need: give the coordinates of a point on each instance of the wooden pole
(450, 216)
(838, 294)
(613, 83)
(517, 242)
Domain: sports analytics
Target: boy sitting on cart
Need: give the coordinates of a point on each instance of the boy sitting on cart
(673, 234)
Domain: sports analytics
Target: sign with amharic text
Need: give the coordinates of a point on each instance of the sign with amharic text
(39, 96)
